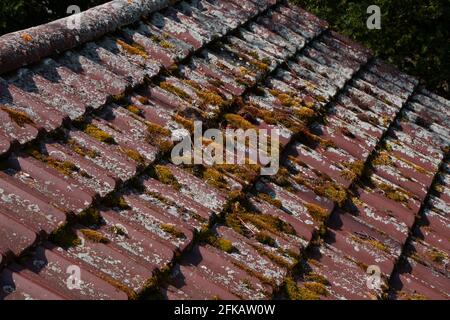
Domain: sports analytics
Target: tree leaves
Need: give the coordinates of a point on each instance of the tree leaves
(414, 35)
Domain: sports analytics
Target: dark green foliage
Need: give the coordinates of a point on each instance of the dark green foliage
(21, 14)
(414, 35)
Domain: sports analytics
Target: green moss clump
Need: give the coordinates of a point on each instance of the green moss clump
(225, 245)
(117, 202)
(266, 197)
(82, 151)
(331, 190)
(293, 292)
(162, 42)
(315, 139)
(98, 134)
(437, 256)
(215, 178)
(393, 193)
(317, 288)
(166, 176)
(94, 236)
(175, 90)
(282, 178)
(220, 243)
(118, 230)
(65, 167)
(172, 230)
(90, 217)
(373, 242)
(266, 239)
(315, 277)
(65, 237)
(245, 173)
(357, 167)
(326, 188)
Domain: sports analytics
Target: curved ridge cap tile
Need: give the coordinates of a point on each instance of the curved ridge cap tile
(29, 46)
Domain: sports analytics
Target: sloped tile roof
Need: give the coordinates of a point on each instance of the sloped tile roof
(89, 116)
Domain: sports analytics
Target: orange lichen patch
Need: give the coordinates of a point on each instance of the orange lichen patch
(253, 59)
(414, 166)
(133, 154)
(26, 37)
(19, 117)
(238, 122)
(286, 99)
(207, 97)
(413, 296)
(134, 49)
(210, 98)
(318, 213)
(353, 169)
(304, 113)
(215, 178)
(94, 236)
(193, 84)
(186, 123)
(135, 110)
(383, 159)
(175, 90)
(153, 128)
(261, 65)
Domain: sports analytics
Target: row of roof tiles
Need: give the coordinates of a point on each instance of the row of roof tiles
(144, 232)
